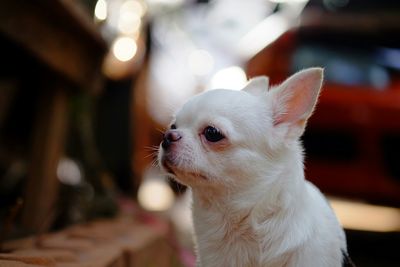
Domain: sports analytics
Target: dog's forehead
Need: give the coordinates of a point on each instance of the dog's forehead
(219, 100)
(215, 104)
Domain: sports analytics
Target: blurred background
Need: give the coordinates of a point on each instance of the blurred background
(88, 86)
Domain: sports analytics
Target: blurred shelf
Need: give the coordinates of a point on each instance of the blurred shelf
(60, 35)
(51, 49)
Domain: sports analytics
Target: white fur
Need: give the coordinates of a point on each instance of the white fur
(251, 203)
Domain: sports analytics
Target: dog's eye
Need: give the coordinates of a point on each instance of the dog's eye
(173, 126)
(213, 134)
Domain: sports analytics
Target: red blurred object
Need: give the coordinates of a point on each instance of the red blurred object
(366, 114)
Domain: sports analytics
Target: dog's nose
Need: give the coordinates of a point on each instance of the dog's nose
(170, 137)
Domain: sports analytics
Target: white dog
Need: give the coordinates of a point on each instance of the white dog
(240, 153)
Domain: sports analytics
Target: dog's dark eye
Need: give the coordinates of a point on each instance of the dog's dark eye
(213, 134)
(173, 126)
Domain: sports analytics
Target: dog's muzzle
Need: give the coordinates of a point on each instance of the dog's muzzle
(170, 137)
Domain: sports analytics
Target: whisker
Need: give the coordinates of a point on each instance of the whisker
(152, 155)
(154, 162)
(162, 131)
(152, 149)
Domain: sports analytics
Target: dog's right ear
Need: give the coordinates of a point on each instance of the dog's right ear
(257, 85)
(294, 100)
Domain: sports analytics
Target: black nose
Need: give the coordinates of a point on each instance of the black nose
(170, 137)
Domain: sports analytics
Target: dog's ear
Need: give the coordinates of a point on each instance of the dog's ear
(257, 85)
(294, 100)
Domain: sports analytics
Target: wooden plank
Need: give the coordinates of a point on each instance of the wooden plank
(121, 242)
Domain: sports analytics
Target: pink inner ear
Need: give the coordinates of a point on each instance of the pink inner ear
(297, 96)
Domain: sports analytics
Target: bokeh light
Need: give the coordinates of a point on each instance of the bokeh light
(200, 62)
(232, 77)
(124, 48)
(100, 10)
(155, 195)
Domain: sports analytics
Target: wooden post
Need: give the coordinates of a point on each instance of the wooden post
(47, 148)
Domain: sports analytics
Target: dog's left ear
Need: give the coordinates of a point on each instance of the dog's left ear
(257, 86)
(294, 100)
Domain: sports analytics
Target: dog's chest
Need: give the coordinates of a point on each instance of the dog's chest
(224, 240)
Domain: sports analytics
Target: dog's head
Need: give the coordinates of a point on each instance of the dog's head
(225, 137)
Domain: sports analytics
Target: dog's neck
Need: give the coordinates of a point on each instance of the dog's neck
(258, 215)
(277, 187)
